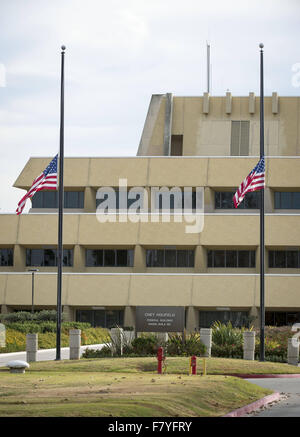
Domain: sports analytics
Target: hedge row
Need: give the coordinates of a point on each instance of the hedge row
(16, 340)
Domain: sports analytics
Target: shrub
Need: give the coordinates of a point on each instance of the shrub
(224, 334)
(28, 327)
(105, 352)
(191, 346)
(227, 350)
(16, 339)
(25, 316)
(145, 345)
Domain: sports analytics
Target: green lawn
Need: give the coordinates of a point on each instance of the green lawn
(129, 387)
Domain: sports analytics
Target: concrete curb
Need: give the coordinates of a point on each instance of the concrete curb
(264, 375)
(254, 406)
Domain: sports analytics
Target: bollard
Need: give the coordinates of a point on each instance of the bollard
(205, 337)
(117, 335)
(293, 352)
(75, 340)
(160, 358)
(31, 347)
(249, 345)
(162, 337)
(193, 365)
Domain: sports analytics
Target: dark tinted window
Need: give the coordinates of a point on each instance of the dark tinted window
(224, 200)
(169, 200)
(109, 257)
(48, 257)
(49, 199)
(102, 318)
(6, 257)
(231, 258)
(135, 197)
(237, 318)
(280, 318)
(169, 258)
(284, 259)
(286, 200)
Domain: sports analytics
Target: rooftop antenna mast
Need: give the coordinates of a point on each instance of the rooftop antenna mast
(208, 66)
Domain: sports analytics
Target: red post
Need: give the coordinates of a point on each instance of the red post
(160, 358)
(194, 364)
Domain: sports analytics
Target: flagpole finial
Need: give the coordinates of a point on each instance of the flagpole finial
(261, 46)
(63, 48)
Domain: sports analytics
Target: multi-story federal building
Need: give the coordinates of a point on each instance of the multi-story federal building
(110, 268)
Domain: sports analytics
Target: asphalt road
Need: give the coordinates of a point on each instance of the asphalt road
(289, 405)
(44, 354)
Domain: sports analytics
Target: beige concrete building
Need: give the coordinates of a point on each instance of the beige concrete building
(115, 266)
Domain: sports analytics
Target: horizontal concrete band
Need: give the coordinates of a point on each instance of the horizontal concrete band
(129, 289)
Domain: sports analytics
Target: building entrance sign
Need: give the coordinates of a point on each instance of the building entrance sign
(159, 319)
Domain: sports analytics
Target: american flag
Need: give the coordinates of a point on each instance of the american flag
(47, 180)
(253, 182)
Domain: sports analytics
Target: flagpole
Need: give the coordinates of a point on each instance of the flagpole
(262, 215)
(60, 210)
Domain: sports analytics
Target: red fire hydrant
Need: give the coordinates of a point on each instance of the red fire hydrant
(194, 365)
(160, 359)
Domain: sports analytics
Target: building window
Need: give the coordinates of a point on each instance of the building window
(224, 200)
(238, 319)
(287, 200)
(101, 318)
(48, 257)
(176, 145)
(6, 257)
(109, 258)
(169, 201)
(49, 199)
(231, 258)
(239, 145)
(137, 196)
(284, 259)
(281, 318)
(169, 258)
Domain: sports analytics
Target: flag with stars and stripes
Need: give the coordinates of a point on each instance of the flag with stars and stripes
(47, 180)
(253, 182)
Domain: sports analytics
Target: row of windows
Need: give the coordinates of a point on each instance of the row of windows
(241, 318)
(156, 258)
(111, 318)
(223, 200)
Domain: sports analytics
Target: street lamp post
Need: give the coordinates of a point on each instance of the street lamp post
(32, 285)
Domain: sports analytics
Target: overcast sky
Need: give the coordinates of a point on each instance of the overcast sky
(119, 53)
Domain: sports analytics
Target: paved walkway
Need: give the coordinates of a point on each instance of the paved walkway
(289, 406)
(44, 354)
